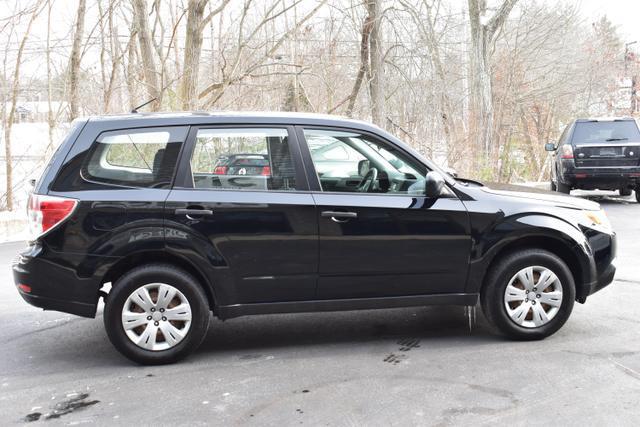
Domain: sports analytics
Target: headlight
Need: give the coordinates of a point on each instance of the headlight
(596, 220)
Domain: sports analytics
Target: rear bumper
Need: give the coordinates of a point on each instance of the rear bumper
(603, 178)
(53, 286)
(71, 307)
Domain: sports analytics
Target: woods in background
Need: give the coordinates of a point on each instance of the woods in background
(479, 85)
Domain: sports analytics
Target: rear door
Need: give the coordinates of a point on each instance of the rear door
(381, 236)
(604, 143)
(242, 194)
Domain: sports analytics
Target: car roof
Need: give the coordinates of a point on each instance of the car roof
(227, 117)
(605, 119)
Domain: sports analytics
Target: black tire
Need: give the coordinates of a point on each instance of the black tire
(625, 191)
(493, 293)
(553, 186)
(156, 273)
(563, 188)
(638, 194)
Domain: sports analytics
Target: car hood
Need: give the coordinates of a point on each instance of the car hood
(532, 193)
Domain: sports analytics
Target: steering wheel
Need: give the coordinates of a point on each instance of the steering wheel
(367, 182)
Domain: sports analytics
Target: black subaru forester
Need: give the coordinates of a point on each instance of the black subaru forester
(134, 209)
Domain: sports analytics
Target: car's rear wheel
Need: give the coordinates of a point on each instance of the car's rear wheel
(625, 191)
(563, 188)
(529, 294)
(638, 194)
(156, 314)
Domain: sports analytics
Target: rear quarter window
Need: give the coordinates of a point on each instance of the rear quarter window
(135, 157)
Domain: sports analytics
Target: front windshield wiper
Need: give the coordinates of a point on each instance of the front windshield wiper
(616, 139)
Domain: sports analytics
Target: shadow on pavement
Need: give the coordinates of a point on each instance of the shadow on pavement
(299, 330)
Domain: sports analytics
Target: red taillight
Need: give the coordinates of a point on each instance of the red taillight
(567, 152)
(581, 175)
(220, 170)
(266, 171)
(45, 212)
(24, 288)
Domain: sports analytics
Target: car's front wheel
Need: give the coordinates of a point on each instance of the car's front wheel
(529, 294)
(156, 314)
(638, 194)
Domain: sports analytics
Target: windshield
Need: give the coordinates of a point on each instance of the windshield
(605, 132)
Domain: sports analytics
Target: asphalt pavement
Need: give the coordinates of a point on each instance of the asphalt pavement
(417, 366)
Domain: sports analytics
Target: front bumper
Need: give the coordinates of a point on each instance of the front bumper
(604, 248)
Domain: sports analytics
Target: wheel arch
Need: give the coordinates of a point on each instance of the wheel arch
(141, 258)
(556, 246)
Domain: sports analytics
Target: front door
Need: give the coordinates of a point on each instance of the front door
(245, 199)
(379, 235)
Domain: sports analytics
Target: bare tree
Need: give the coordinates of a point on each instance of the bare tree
(196, 23)
(151, 81)
(74, 60)
(363, 70)
(376, 66)
(15, 89)
(482, 36)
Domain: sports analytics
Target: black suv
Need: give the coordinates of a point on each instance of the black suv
(602, 154)
(131, 209)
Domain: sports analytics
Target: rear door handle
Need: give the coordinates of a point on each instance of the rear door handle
(190, 213)
(339, 216)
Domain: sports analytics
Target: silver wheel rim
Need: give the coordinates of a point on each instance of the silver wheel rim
(156, 316)
(533, 297)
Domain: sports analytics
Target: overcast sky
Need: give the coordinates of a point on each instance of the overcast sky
(625, 14)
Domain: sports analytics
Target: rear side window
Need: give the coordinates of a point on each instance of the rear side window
(135, 157)
(243, 159)
(605, 132)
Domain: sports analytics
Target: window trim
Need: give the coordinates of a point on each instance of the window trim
(314, 179)
(95, 141)
(184, 175)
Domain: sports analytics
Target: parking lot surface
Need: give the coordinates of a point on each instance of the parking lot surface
(387, 367)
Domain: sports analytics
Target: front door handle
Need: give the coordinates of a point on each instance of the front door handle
(191, 213)
(339, 216)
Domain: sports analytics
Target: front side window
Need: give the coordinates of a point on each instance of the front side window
(135, 157)
(243, 159)
(357, 163)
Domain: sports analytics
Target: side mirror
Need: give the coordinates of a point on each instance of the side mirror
(434, 183)
(550, 146)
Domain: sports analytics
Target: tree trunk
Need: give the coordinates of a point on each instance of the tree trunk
(192, 50)
(146, 52)
(74, 61)
(376, 65)
(364, 63)
(50, 117)
(481, 106)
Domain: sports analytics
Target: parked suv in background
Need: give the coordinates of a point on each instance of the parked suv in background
(348, 217)
(601, 154)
